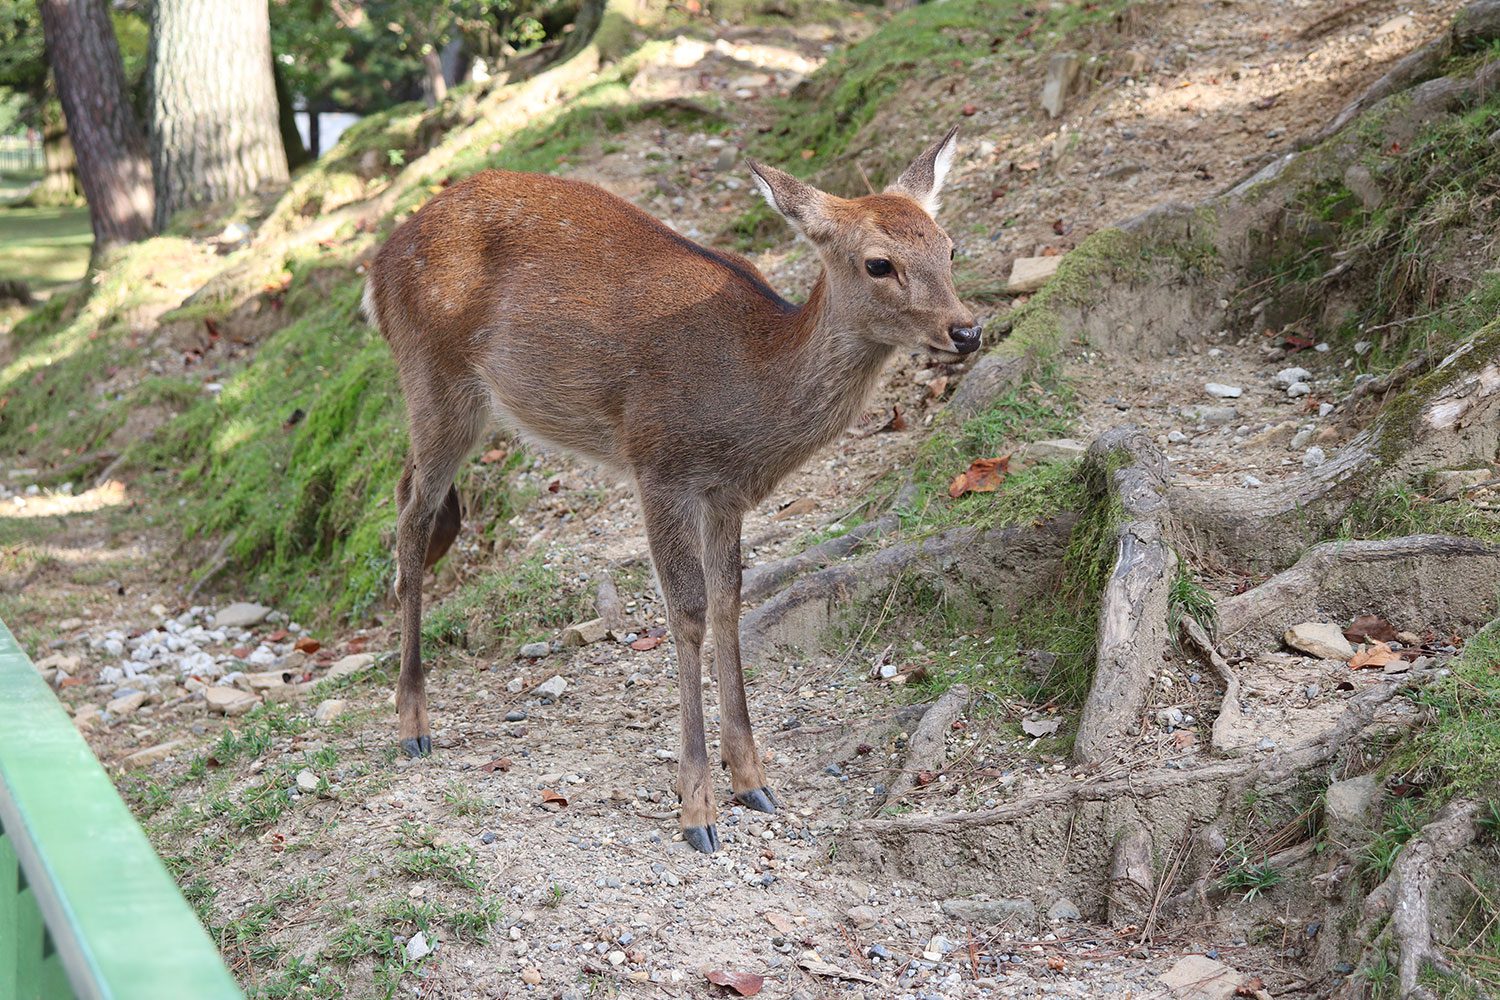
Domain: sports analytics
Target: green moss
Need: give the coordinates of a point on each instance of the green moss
(501, 610)
(1459, 753)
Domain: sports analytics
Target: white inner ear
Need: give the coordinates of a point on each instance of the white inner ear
(940, 165)
(765, 191)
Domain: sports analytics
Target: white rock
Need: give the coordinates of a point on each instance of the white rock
(1028, 274)
(417, 947)
(1324, 409)
(329, 710)
(1287, 376)
(552, 688)
(1313, 457)
(229, 701)
(1324, 640)
(1298, 389)
(1221, 391)
(126, 704)
(1198, 977)
(242, 614)
(307, 782)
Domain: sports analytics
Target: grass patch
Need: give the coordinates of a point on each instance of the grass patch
(47, 248)
(502, 610)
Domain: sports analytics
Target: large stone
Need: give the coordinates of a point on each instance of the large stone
(287, 693)
(1027, 274)
(229, 701)
(126, 704)
(329, 710)
(1365, 187)
(151, 755)
(350, 665)
(1058, 450)
(991, 912)
(1210, 414)
(1063, 911)
(1062, 77)
(1198, 977)
(585, 633)
(1321, 639)
(266, 679)
(1349, 809)
(241, 614)
(551, 689)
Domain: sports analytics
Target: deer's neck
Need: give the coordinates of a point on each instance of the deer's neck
(831, 369)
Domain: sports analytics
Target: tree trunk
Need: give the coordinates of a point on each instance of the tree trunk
(437, 84)
(214, 131)
(107, 139)
(59, 185)
(286, 121)
(314, 133)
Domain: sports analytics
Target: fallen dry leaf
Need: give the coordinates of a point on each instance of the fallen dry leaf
(307, 644)
(746, 984)
(984, 475)
(501, 764)
(1040, 727)
(897, 421)
(937, 387)
(1182, 739)
(806, 505)
(1370, 628)
(1376, 654)
(1056, 963)
(925, 778)
(647, 642)
(553, 800)
(780, 921)
(493, 455)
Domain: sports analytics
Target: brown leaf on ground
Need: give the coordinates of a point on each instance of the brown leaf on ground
(647, 642)
(1182, 739)
(805, 505)
(553, 800)
(1376, 654)
(925, 778)
(307, 644)
(897, 421)
(984, 475)
(493, 455)
(1370, 628)
(780, 921)
(1056, 963)
(937, 387)
(746, 984)
(501, 764)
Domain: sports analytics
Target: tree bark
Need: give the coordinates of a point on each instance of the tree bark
(437, 83)
(214, 123)
(59, 183)
(107, 139)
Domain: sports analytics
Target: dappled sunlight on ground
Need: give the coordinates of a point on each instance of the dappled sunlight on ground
(49, 504)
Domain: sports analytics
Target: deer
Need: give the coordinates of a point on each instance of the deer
(580, 321)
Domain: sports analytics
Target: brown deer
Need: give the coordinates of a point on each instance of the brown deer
(585, 323)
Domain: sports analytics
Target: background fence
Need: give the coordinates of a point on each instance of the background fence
(20, 155)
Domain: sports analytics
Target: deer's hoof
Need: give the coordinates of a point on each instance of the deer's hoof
(760, 799)
(704, 839)
(419, 746)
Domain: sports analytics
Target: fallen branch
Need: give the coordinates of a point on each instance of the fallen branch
(1229, 707)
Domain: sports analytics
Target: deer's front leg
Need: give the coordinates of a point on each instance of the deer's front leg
(672, 528)
(721, 569)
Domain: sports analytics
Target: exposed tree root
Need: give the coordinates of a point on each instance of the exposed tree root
(1007, 566)
(927, 750)
(1438, 579)
(1229, 707)
(761, 581)
(1403, 903)
(1133, 607)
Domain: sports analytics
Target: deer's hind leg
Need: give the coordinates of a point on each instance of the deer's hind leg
(445, 423)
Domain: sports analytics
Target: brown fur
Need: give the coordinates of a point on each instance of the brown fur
(582, 321)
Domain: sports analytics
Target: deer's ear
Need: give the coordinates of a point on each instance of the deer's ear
(922, 182)
(801, 204)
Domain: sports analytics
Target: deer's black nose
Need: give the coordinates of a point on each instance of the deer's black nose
(965, 338)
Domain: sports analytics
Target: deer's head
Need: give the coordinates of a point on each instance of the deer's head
(888, 265)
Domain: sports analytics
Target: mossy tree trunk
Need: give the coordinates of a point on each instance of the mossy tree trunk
(214, 119)
(106, 137)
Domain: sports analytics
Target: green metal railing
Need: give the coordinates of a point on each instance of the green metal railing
(86, 908)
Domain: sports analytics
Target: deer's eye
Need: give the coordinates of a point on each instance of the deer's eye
(878, 267)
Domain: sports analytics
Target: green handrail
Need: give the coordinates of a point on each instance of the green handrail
(86, 908)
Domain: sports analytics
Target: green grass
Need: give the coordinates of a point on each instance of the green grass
(1249, 878)
(47, 248)
(502, 610)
